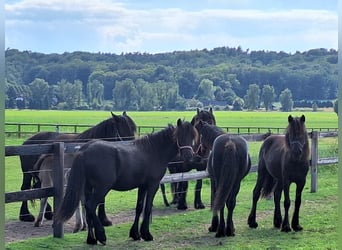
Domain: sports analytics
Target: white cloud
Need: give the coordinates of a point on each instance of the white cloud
(115, 27)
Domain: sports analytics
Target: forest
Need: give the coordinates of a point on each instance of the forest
(226, 78)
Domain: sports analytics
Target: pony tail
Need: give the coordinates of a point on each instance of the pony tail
(35, 175)
(267, 186)
(74, 190)
(227, 177)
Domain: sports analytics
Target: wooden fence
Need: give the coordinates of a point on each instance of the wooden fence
(59, 148)
(27, 129)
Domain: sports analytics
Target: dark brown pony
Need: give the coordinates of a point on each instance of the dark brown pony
(100, 166)
(229, 162)
(179, 189)
(115, 128)
(283, 159)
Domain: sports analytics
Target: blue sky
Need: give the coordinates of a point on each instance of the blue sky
(154, 26)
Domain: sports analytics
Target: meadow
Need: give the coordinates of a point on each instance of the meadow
(188, 229)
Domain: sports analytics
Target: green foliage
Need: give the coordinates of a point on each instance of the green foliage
(252, 97)
(308, 75)
(286, 101)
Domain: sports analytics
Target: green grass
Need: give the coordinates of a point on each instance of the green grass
(188, 229)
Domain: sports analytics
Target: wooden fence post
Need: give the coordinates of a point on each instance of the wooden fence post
(58, 184)
(314, 161)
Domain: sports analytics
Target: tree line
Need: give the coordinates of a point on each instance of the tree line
(229, 78)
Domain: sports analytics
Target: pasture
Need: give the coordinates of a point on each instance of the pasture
(189, 229)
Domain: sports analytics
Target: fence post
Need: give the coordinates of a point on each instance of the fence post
(314, 161)
(58, 184)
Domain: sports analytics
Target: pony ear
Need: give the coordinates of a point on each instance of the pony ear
(115, 117)
(198, 111)
(302, 118)
(211, 110)
(179, 122)
(124, 113)
(290, 118)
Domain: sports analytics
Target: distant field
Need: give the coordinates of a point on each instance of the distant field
(223, 118)
(188, 229)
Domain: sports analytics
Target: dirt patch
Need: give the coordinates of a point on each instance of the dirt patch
(18, 230)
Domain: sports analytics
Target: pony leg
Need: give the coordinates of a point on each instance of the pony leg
(277, 218)
(198, 204)
(95, 229)
(231, 203)
(220, 232)
(145, 225)
(24, 214)
(256, 195)
(285, 227)
(39, 219)
(214, 219)
(162, 188)
(295, 219)
(134, 231)
(183, 188)
(48, 212)
(79, 225)
(103, 216)
(100, 234)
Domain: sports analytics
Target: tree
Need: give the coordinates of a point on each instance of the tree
(95, 94)
(40, 93)
(125, 95)
(238, 104)
(205, 90)
(268, 96)
(252, 97)
(286, 101)
(188, 84)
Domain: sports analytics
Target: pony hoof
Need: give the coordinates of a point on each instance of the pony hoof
(297, 228)
(211, 229)
(147, 237)
(253, 224)
(106, 223)
(48, 215)
(27, 218)
(286, 229)
(182, 207)
(199, 206)
(134, 236)
(219, 235)
(102, 242)
(91, 241)
(37, 224)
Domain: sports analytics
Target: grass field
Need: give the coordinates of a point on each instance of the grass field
(188, 229)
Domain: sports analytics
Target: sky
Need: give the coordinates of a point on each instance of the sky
(157, 26)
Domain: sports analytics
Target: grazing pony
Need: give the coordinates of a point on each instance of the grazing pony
(115, 128)
(283, 159)
(100, 166)
(228, 163)
(179, 189)
(45, 165)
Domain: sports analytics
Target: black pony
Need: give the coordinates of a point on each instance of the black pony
(100, 166)
(228, 163)
(179, 189)
(283, 159)
(115, 128)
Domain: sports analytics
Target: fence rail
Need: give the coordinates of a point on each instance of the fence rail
(59, 148)
(26, 129)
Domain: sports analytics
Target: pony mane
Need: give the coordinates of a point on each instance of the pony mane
(157, 139)
(210, 131)
(101, 130)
